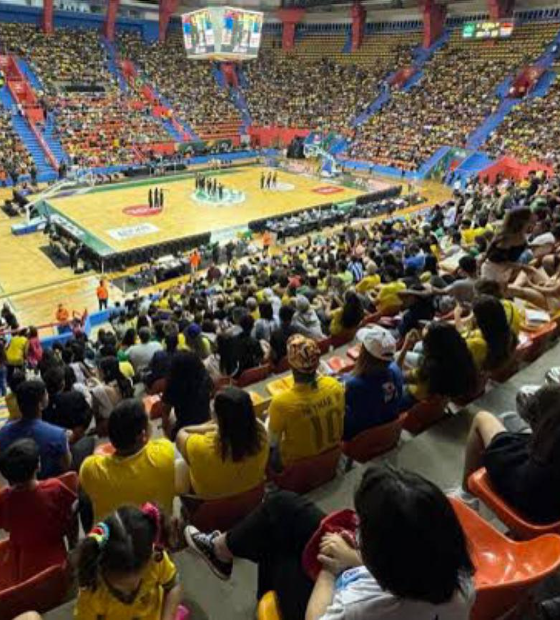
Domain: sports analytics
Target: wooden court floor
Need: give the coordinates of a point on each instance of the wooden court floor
(101, 211)
(33, 285)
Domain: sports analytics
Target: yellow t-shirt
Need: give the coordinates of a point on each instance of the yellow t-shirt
(368, 283)
(478, 348)
(388, 298)
(15, 352)
(212, 478)
(419, 389)
(513, 315)
(336, 326)
(308, 420)
(470, 234)
(147, 476)
(158, 577)
(127, 369)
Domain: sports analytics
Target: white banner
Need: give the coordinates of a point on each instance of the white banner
(129, 232)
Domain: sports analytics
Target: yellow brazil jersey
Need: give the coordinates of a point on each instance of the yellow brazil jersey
(368, 283)
(157, 578)
(213, 478)
(478, 347)
(15, 352)
(388, 298)
(147, 476)
(514, 316)
(127, 369)
(308, 420)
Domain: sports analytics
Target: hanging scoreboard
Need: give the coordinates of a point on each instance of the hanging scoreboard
(222, 33)
(488, 30)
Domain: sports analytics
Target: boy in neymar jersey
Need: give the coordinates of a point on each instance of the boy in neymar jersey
(307, 419)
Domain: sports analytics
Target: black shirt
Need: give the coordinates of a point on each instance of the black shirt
(68, 410)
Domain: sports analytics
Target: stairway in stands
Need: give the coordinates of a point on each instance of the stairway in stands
(45, 171)
(49, 130)
(113, 64)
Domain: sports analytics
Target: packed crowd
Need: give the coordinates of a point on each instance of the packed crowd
(454, 96)
(470, 261)
(522, 133)
(310, 91)
(97, 124)
(190, 87)
(14, 157)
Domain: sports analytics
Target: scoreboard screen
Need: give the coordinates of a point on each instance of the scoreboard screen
(198, 33)
(222, 33)
(488, 30)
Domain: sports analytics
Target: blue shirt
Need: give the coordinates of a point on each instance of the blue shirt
(416, 262)
(372, 400)
(52, 442)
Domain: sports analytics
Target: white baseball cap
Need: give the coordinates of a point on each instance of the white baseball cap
(378, 341)
(544, 239)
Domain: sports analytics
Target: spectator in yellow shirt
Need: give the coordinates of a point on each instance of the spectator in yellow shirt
(141, 469)
(16, 352)
(228, 455)
(371, 280)
(388, 299)
(123, 571)
(307, 419)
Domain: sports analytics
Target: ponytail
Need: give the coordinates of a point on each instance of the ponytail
(124, 542)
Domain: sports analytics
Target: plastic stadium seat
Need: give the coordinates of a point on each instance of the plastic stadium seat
(308, 473)
(463, 401)
(104, 449)
(221, 514)
(537, 342)
(506, 571)
(268, 608)
(253, 375)
(339, 341)
(281, 366)
(340, 365)
(424, 414)
(42, 592)
(479, 485)
(157, 387)
(373, 442)
(354, 352)
(324, 345)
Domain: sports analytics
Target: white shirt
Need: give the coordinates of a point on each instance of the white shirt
(359, 597)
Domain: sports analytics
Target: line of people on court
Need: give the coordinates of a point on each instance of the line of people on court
(155, 198)
(269, 181)
(209, 185)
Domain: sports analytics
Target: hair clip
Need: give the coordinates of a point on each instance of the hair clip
(152, 512)
(100, 533)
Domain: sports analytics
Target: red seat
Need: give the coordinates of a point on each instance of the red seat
(537, 342)
(340, 365)
(506, 372)
(282, 366)
(41, 592)
(324, 345)
(157, 387)
(463, 401)
(479, 485)
(374, 441)
(506, 571)
(424, 414)
(308, 473)
(253, 375)
(354, 352)
(339, 341)
(222, 514)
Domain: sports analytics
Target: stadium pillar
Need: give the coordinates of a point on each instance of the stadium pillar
(498, 9)
(359, 15)
(166, 10)
(48, 12)
(290, 18)
(110, 20)
(434, 22)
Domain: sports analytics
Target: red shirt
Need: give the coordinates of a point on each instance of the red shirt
(37, 521)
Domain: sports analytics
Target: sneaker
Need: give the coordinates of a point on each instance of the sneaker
(203, 546)
(467, 498)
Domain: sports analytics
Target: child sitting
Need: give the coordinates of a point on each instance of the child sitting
(37, 515)
(123, 571)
